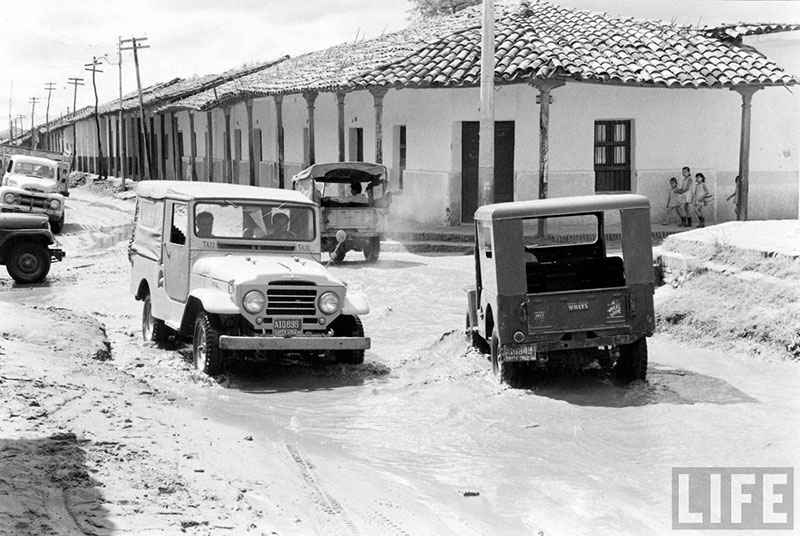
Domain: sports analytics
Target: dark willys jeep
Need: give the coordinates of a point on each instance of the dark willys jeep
(548, 293)
(25, 241)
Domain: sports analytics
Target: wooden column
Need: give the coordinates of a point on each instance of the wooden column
(192, 146)
(340, 122)
(544, 87)
(377, 96)
(210, 146)
(162, 137)
(250, 146)
(228, 164)
(279, 137)
(310, 97)
(744, 150)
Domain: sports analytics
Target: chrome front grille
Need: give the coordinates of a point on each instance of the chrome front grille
(32, 201)
(290, 301)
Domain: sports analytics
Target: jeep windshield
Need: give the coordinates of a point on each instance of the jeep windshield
(242, 219)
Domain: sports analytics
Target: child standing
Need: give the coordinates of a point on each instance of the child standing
(674, 201)
(700, 198)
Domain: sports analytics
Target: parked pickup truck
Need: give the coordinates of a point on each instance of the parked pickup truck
(27, 246)
(34, 182)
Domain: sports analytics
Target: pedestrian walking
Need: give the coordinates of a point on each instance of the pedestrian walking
(687, 189)
(700, 198)
(674, 201)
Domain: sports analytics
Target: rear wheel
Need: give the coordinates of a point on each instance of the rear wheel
(632, 362)
(372, 249)
(475, 338)
(153, 329)
(29, 262)
(206, 352)
(348, 326)
(502, 371)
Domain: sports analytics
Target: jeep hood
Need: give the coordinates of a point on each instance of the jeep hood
(262, 269)
(33, 184)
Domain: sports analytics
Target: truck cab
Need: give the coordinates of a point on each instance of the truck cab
(237, 268)
(549, 292)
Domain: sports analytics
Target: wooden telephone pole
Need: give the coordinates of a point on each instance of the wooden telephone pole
(75, 82)
(49, 87)
(33, 101)
(101, 164)
(135, 46)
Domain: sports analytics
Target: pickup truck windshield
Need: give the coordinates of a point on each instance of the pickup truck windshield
(242, 219)
(34, 170)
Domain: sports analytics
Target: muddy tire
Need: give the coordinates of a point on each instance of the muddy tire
(206, 353)
(58, 225)
(348, 326)
(29, 262)
(153, 329)
(502, 371)
(372, 249)
(632, 362)
(475, 340)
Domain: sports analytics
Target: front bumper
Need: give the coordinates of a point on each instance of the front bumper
(233, 342)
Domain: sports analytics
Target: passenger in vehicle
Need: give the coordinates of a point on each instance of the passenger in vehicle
(280, 224)
(204, 222)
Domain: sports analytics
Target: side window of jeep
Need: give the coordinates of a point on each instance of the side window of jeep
(178, 224)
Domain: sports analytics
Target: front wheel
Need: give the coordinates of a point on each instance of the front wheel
(28, 262)
(348, 326)
(206, 352)
(372, 249)
(632, 362)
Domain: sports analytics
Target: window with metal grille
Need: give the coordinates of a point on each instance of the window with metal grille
(612, 156)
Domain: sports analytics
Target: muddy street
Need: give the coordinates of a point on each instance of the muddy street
(420, 439)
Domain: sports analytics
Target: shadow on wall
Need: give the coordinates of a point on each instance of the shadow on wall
(47, 489)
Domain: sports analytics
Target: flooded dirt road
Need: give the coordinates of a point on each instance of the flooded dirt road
(420, 439)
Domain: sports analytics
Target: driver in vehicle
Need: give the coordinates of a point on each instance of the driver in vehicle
(280, 227)
(205, 225)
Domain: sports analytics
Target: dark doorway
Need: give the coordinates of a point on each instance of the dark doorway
(503, 165)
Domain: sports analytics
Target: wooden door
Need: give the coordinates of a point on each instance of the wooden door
(503, 165)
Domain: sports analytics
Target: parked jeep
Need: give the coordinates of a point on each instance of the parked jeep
(237, 268)
(354, 198)
(549, 293)
(26, 247)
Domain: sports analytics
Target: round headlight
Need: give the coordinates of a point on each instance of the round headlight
(253, 302)
(8, 199)
(329, 303)
(54, 204)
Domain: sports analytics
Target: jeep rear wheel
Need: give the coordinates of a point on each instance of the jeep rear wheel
(28, 262)
(348, 326)
(632, 362)
(372, 249)
(153, 329)
(206, 353)
(502, 371)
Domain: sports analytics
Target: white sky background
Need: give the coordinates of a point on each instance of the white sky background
(52, 40)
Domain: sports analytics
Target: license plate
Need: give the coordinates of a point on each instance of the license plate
(286, 327)
(518, 353)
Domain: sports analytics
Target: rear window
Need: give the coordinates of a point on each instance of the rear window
(568, 230)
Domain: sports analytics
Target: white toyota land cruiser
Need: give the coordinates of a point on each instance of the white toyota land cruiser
(236, 267)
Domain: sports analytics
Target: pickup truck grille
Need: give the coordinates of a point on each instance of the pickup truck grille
(292, 301)
(32, 201)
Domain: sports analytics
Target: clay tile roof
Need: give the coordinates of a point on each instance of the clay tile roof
(543, 40)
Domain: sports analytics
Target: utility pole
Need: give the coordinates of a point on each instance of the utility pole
(135, 46)
(33, 101)
(49, 87)
(102, 175)
(121, 152)
(19, 118)
(10, 121)
(75, 82)
(486, 131)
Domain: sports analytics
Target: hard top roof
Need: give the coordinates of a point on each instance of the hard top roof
(560, 206)
(34, 160)
(342, 171)
(186, 191)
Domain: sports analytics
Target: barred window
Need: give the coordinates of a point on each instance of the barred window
(612, 156)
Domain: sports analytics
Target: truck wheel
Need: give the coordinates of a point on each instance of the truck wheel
(475, 339)
(502, 371)
(348, 326)
(57, 225)
(28, 262)
(632, 362)
(372, 249)
(206, 353)
(153, 329)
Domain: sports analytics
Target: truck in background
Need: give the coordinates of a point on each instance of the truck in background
(35, 181)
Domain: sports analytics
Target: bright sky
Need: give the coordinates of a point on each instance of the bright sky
(52, 40)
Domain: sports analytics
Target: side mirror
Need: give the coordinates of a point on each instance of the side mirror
(341, 236)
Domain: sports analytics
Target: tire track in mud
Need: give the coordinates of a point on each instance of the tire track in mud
(331, 515)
